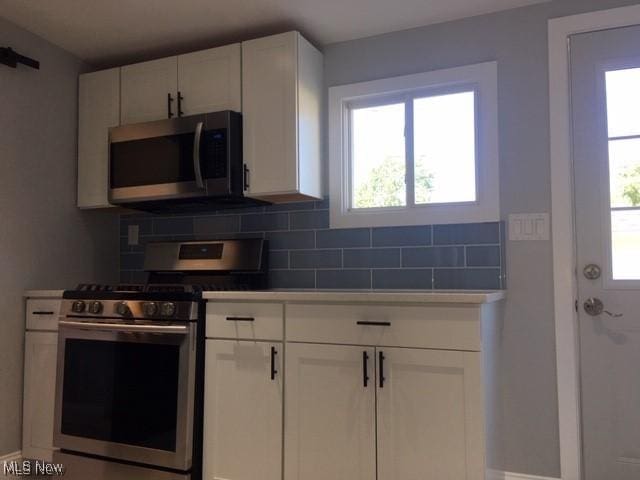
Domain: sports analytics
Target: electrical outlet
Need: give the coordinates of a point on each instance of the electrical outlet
(133, 234)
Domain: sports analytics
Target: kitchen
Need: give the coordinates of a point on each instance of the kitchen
(254, 207)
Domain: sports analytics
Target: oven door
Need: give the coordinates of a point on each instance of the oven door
(181, 158)
(126, 391)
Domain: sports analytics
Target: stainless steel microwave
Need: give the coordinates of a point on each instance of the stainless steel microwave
(184, 161)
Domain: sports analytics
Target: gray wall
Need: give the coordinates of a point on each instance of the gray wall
(45, 242)
(517, 39)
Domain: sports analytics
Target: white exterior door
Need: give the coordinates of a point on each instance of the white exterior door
(330, 413)
(145, 88)
(210, 80)
(40, 354)
(429, 415)
(243, 411)
(605, 82)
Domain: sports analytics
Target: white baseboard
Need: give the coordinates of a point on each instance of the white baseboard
(10, 457)
(498, 475)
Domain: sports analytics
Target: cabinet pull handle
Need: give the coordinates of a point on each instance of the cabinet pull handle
(169, 102)
(246, 177)
(274, 352)
(381, 358)
(374, 324)
(241, 319)
(42, 313)
(180, 98)
(365, 369)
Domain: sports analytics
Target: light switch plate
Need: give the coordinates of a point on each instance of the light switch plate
(529, 226)
(133, 235)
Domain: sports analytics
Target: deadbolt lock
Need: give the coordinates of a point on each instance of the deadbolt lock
(592, 271)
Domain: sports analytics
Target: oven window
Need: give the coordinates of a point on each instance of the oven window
(121, 392)
(167, 159)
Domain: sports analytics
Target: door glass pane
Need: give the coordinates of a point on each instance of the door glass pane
(624, 172)
(121, 392)
(444, 148)
(623, 102)
(625, 242)
(378, 156)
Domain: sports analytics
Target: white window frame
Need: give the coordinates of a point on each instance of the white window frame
(482, 78)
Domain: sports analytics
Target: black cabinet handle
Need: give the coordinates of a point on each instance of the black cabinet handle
(365, 369)
(381, 362)
(42, 313)
(169, 102)
(180, 98)
(246, 177)
(274, 352)
(241, 319)
(375, 324)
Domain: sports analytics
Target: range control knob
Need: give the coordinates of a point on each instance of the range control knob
(78, 306)
(95, 308)
(168, 309)
(122, 308)
(150, 309)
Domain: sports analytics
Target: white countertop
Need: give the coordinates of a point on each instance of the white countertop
(364, 296)
(43, 293)
(346, 296)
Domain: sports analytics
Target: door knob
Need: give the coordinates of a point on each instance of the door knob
(594, 307)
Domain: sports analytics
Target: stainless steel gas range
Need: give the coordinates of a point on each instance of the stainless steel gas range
(130, 371)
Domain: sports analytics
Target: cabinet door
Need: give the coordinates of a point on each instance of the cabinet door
(269, 97)
(429, 409)
(39, 394)
(210, 80)
(330, 413)
(144, 90)
(98, 109)
(243, 411)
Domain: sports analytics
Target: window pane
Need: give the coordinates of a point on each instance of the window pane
(625, 244)
(444, 148)
(624, 172)
(378, 156)
(623, 102)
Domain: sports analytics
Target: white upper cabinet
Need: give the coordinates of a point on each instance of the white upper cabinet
(198, 82)
(330, 412)
(429, 415)
(98, 109)
(282, 78)
(209, 81)
(149, 91)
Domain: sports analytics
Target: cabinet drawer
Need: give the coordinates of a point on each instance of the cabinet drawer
(42, 313)
(451, 328)
(250, 321)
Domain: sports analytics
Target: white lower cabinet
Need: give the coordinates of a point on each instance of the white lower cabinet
(330, 413)
(40, 354)
(243, 413)
(429, 415)
(370, 392)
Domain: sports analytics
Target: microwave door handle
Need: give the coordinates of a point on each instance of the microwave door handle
(196, 155)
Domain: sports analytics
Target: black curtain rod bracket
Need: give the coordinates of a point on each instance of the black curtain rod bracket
(11, 58)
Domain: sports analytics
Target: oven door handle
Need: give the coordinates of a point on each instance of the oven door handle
(196, 155)
(125, 327)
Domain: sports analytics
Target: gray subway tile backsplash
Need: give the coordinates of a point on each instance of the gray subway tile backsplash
(350, 279)
(433, 257)
(306, 253)
(401, 236)
(403, 279)
(371, 257)
(343, 238)
(311, 259)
